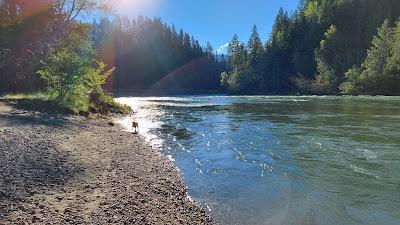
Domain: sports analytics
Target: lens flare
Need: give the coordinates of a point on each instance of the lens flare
(129, 7)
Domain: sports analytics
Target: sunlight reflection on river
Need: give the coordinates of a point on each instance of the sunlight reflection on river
(281, 160)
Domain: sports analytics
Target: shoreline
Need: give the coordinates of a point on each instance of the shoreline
(72, 170)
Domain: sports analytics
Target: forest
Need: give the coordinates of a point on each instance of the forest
(146, 53)
(325, 47)
(50, 47)
(149, 54)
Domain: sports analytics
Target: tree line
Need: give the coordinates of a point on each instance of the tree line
(324, 47)
(44, 47)
(49, 46)
(149, 54)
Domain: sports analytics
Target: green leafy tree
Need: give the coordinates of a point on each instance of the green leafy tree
(352, 85)
(29, 31)
(72, 72)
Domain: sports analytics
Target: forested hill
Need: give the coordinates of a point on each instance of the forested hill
(146, 53)
(325, 47)
(150, 55)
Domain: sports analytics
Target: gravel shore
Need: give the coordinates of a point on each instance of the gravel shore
(72, 170)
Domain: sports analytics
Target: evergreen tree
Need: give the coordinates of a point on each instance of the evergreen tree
(377, 56)
(233, 52)
(315, 46)
(392, 69)
(379, 73)
(326, 79)
(148, 54)
(277, 55)
(255, 47)
(255, 57)
(210, 52)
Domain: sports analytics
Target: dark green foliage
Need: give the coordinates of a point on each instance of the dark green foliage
(255, 58)
(310, 51)
(74, 75)
(43, 48)
(324, 47)
(375, 63)
(147, 53)
(237, 80)
(25, 38)
(102, 103)
(326, 80)
(353, 84)
(379, 74)
(392, 69)
(29, 31)
(150, 55)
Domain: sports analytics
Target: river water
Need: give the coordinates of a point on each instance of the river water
(282, 160)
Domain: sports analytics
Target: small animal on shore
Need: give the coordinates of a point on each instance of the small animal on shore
(136, 126)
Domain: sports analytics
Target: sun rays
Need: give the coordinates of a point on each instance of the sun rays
(133, 7)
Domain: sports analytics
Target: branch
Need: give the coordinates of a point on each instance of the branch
(72, 10)
(61, 6)
(78, 11)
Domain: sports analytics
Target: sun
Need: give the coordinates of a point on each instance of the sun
(131, 3)
(134, 6)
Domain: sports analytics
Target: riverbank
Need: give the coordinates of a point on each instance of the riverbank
(72, 170)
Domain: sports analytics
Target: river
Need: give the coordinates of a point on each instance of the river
(281, 159)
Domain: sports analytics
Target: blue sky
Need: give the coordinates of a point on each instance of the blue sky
(211, 20)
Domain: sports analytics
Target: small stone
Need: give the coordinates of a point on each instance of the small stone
(35, 219)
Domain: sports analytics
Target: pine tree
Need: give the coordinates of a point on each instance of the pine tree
(326, 79)
(380, 72)
(377, 56)
(391, 79)
(233, 48)
(255, 56)
(255, 47)
(277, 55)
(210, 52)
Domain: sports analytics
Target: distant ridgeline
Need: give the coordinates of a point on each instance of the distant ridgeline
(148, 54)
(325, 47)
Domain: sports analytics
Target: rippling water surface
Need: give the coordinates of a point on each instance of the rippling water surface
(282, 160)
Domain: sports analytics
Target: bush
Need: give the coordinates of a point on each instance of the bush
(76, 77)
(102, 103)
(307, 86)
(352, 85)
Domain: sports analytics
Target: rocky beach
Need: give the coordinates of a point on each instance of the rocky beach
(59, 169)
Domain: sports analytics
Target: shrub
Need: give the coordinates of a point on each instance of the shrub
(101, 102)
(77, 77)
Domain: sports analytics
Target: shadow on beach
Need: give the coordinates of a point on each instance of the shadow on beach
(31, 163)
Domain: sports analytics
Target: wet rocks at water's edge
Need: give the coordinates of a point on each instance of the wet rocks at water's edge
(72, 170)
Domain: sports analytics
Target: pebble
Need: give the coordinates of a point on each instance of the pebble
(86, 163)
